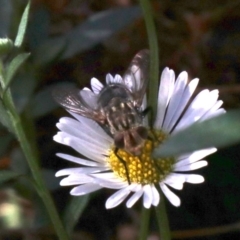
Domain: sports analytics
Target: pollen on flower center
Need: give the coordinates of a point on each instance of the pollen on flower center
(142, 169)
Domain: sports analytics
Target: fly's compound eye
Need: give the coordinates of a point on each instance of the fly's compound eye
(142, 132)
(119, 140)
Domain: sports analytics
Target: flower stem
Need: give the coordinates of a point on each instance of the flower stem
(33, 163)
(162, 218)
(145, 215)
(154, 52)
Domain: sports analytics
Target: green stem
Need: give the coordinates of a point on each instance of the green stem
(145, 215)
(162, 218)
(154, 53)
(32, 160)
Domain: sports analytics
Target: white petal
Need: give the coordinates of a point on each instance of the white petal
(194, 178)
(175, 100)
(63, 172)
(80, 170)
(172, 197)
(90, 145)
(175, 178)
(59, 138)
(192, 166)
(199, 106)
(86, 89)
(79, 160)
(117, 79)
(80, 147)
(214, 111)
(175, 185)
(197, 155)
(109, 78)
(212, 114)
(194, 111)
(164, 94)
(187, 94)
(190, 178)
(156, 196)
(92, 127)
(109, 180)
(75, 180)
(194, 157)
(117, 198)
(90, 98)
(96, 85)
(111, 185)
(147, 196)
(175, 181)
(93, 170)
(135, 197)
(85, 189)
(87, 126)
(76, 129)
(109, 176)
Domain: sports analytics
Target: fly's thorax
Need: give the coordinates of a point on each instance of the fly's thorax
(113, 91)
(122, 115)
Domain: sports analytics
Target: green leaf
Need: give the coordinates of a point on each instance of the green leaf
(41, 216)
(220, 131)
(6, 175)
(6, 11)
(22, 95)
(6, 45)
(22, 27)
(5, 141)
(18, 162)
(43, 103)
(4, 118)
(52, 51)
(74, 210)
(94, 30)
(13, 67)
(38, 27)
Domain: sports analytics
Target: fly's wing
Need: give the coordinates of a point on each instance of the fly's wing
(137, 75)
(82, 102)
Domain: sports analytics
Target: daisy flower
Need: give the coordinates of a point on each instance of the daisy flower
(102, 168)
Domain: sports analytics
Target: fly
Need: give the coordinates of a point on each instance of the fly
(117, 107)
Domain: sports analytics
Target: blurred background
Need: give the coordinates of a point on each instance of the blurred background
(70, 42)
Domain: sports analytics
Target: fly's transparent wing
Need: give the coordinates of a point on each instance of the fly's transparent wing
(82, 102)
(137, 76)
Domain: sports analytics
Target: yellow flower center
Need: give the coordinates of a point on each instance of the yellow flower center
(143, 169)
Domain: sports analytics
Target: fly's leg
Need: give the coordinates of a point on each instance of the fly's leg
(124, 164)
(146, 111)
